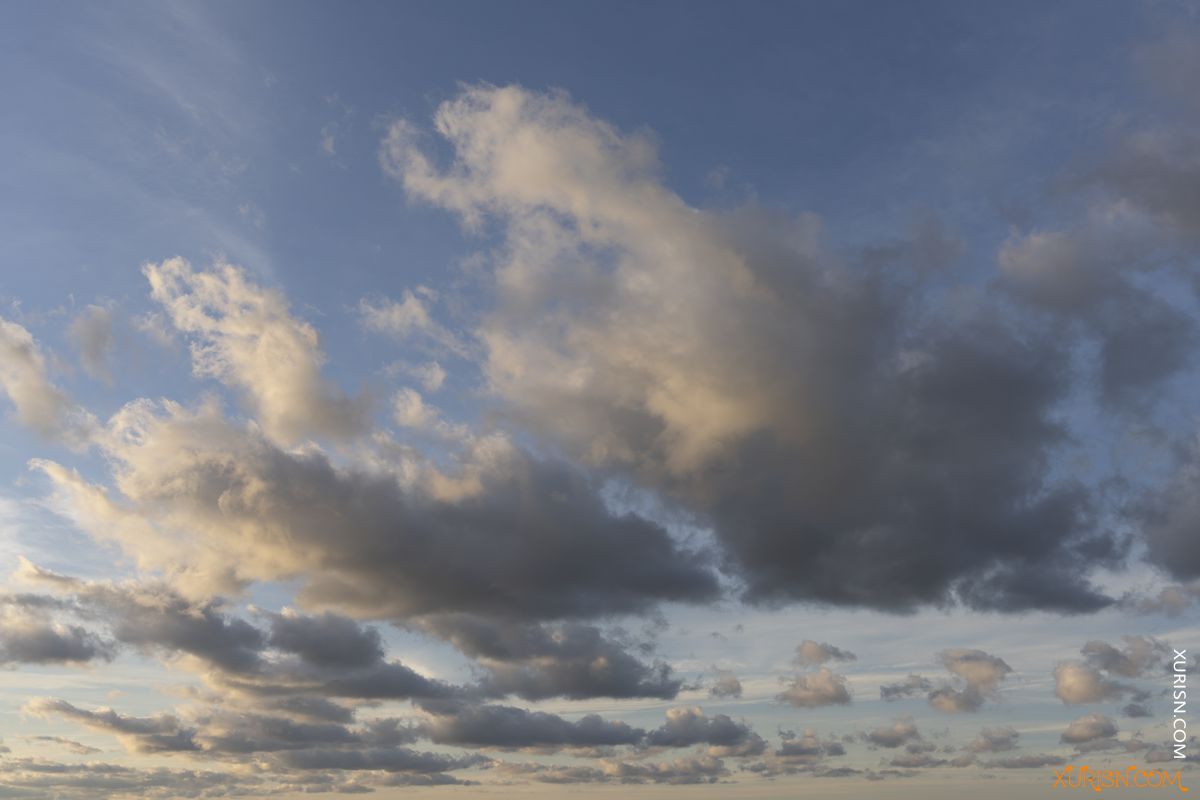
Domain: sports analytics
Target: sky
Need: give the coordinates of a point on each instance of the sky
(658, 399)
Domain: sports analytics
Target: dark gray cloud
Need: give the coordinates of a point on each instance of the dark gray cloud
(387, 759)
(228, 732)
(154, 617)
(911, 686)
(506, 727)
(297, 665)
(1156, 171)
(39, 641)
(1169, 517)
(327, 640)
(1135, 710)
(837, 432)
(508, 535)
(309, 707)
(723, 736)
(540, 660)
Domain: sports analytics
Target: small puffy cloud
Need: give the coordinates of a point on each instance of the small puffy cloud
(993, 740)
(1079, 683)
(898, 734)
(726, 685)
(816, 689)
(1140, 655)
(979, 669)
(812, 654)
(805, 750)
(956, 701)
(1089, 729)
(979, 675)
(430, 374)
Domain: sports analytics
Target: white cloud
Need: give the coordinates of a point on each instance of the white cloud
(40, 405)
(244, 335)
(410, 319)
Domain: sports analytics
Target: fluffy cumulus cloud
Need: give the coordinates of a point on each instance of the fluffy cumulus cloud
(814, 689)
(725, 685)
(1079, 683)
(643, 335)
(836, 427)
(509, 534)
(992, 740)
(1140, 655)
(810, 653)
(245, 335)
(898, 734)
(1106, 672)
(1089, 729)
(979, 674)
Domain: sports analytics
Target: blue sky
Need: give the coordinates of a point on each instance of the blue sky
(379, 374)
